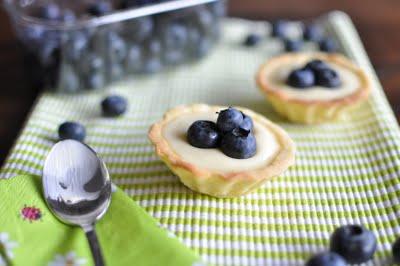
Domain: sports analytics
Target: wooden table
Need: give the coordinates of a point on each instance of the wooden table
(378, 23)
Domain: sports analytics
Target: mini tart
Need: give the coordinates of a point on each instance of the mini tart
(222, 183)
(315, 109)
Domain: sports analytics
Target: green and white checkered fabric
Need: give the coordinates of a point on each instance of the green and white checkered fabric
(346, 172)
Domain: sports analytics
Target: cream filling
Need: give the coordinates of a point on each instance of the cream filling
(350, 83)
(213, 159)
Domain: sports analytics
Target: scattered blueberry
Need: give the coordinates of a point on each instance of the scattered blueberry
(396, 251)
(316, 65)
(99, 8)
(354, 243)
(328, 45)
(49, 11)
(247, 122)
(203, 134)
(252, 39)
(326, 259)
(239, 144)
(279, 28)
(293, 45)
(229, 119)
(114, 105)
(312, 32)
(328, 78)
(301, 78)
(175, 36)
(71, 130)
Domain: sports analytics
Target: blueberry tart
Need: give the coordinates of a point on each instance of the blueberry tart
(221, 151)
(313, 88)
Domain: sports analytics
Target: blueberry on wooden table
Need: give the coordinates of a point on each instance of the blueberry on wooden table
(312, 32)
(239, 144)
(229, 119)
(301, 78)
(71, 130)
(354, 243)
(252, 39)
(114, 105)
(326, 259)
(203, 134)
(328, 45)
(293, 45)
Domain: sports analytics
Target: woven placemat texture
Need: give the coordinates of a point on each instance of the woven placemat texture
(346, 172)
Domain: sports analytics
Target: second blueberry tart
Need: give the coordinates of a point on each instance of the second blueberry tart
(221, 151)
(313, 88)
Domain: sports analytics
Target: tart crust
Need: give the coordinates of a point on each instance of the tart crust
(312, 111)
(214, 183)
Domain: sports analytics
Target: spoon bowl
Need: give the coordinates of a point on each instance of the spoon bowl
(77, 188)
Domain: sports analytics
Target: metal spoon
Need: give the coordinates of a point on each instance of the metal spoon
(77, 188)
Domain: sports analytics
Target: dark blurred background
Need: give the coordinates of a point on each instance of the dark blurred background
(378, 22)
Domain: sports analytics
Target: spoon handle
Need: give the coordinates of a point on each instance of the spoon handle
(94, 247)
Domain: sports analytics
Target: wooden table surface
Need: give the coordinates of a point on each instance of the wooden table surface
(377, 21)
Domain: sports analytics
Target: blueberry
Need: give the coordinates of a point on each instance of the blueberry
(355, 243)
(328, 45)
(326, 259)
(133, 58)
(139, 29)
(203, 134)
(95, 81)
(293, 45)
(99, 8)
(116, 47)
(76, 45)
(114, 105)
(301, 78)
(252, 39)
(312, 32)
(71, 130)
(239, 144)
(316, 65)
(396, 251)
(328, 78)
(49, 11)
(247, 123)
(279, 28)
(229, 119)
(151, 65)
(175, 36)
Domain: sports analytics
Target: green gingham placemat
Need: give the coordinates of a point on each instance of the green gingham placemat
(346, 172)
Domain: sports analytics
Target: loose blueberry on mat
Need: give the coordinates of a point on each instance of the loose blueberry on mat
(203, 134)
(328, 45)
(247, 122)
(229, 119)
(301, 78)
(293, 45)
(326, 259)
(99, 8)
(355, 243)
(71, 130)
(279, 28)
(50, 11)
(312, 32)
(328, 78)
(396, 251)
(316, 65)
(252, 39)
(114, 105)
(239, 144)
